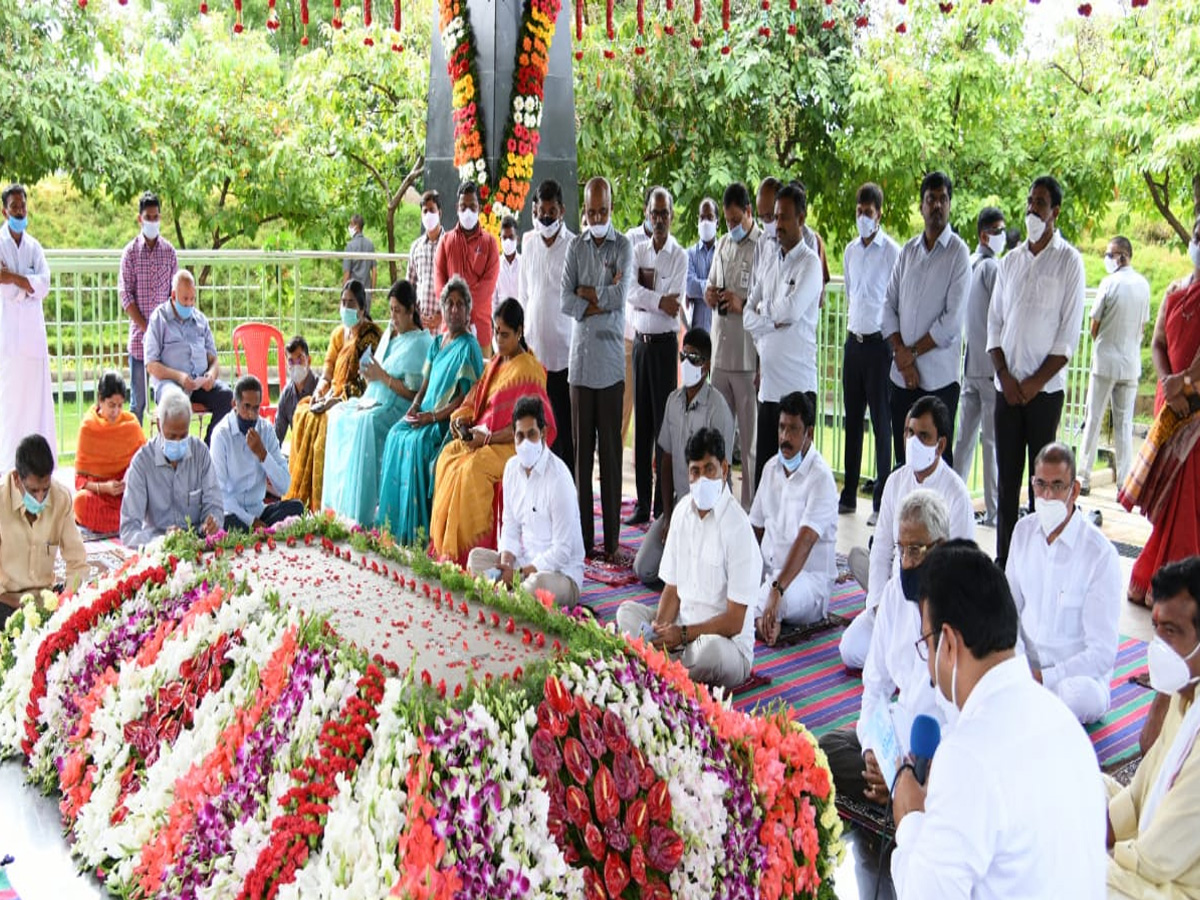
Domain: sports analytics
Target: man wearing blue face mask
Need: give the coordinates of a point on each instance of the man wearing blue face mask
(28, 407)
(710, 565)
(37, 524)
(795, 520)
(171, 484)
(181, 354)
(250, 465)
(1066, 581)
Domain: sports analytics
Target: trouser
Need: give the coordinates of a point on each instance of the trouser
(594, 420)
(1122, 394)
(805, 601)
(218, 401)
(559, 392)
(137, 387)
(1087, 698)
(978, 414)
(844, 754)
(655, 375)
(627, 393)
(901, 401)
(768, 433)
(709, 659)
(738, 390)
(272, 514)
(1021, 432)
(856, 640)
(865, 385)
(563, 587)
(649, 555)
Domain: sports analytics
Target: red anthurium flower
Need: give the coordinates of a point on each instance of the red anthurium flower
(659, 801)
(579, 813)
(577, 761)
(604, 795)
(616, 874)
(593, 839)
(665, 849)
(637, 865)
(637, 820)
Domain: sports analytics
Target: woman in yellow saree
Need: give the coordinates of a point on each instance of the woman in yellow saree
(472, 464)
(340, 381)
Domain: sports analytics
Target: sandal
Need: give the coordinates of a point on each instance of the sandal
(1142, 601)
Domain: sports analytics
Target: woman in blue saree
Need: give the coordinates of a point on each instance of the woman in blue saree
(454, 364)
(359, 427)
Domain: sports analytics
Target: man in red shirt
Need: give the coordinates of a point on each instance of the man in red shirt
(472, 253)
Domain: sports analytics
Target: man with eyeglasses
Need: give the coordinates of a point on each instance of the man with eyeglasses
(896, 664)
(694, 405)
(927, 431)
(1067, 584)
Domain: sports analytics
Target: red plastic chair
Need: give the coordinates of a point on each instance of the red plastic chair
(254, 339)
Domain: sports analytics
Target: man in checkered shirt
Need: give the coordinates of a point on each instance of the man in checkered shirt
(420, 261)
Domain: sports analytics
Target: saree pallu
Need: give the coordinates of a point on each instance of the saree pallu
(1165, 478)
(465, 482)
(310, 429)
(104, 453)
(411, 451)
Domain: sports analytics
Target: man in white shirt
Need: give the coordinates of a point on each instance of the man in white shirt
(1033, 328)
(867, 267)
(638, 234)
(1014, 806)
(28, 407)
(794, 517)
(660, 279)
(711, 566)
(978, 392)
(781, 314)
(547, 329)
(735, 360)
(508, 284)
(693, 405)
(1119, 318)
(926, 435)
(764, 205)
(1066, 581)
(250, 465)
(923, 315)
(893, 667)
(541, 545)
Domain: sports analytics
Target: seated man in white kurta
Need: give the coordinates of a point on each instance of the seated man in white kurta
(795, 517)
(711, 567)
(1066, 581)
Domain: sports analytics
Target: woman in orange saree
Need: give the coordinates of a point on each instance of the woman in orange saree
(340, 381)
(1165, 479)
(471, 465)
(109, 436)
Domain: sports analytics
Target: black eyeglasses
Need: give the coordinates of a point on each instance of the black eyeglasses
(694, 358)
(923, 647)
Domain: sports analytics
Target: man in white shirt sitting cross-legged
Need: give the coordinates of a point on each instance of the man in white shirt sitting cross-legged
(1066, 581)
(541, 545)
(711, 567)
(795, 517)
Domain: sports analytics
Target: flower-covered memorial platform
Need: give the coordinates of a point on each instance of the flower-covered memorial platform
(315, 712)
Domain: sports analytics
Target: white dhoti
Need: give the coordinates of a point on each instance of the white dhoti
(28, 407)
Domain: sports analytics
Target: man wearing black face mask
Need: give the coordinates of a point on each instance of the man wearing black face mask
(893, 663)
(248, 463)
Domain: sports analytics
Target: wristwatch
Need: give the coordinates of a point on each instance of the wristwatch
(775, 585)
(683, 634)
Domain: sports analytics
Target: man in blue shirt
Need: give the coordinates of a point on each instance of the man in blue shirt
(250, 465)
(700, 257)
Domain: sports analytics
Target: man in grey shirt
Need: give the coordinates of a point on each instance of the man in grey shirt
(361, 270)
(171, 483)
(978, 392)
(694, 405)
(922, 318)
(596, 277)
(1119, 318)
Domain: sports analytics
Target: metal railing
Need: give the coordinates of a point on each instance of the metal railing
(298, 293)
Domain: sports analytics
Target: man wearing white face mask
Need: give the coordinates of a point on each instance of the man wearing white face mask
(710, 565)
(1013, 803)
(470, 251)
(541, 547)
(694, 405)
(301, 383)
(1066, 581)
(926, 432)
(420, 261)
(696, 313)
(1118, 322)
(508, 283)
(1034, 325)
(1154, 823)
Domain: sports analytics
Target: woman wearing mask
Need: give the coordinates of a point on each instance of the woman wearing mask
(340, 381)
(109, 436)
(354, 447)
(1165, 479)
(469, 467)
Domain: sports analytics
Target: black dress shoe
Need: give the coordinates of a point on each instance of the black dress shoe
(639, 516)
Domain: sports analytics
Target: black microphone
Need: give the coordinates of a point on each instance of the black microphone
(923, 740)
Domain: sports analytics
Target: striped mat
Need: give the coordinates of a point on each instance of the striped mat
(811, 678)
